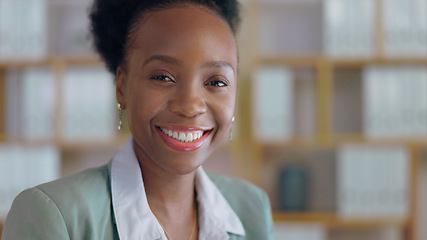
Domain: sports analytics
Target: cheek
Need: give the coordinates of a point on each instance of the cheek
(144, 105)
(223, 111)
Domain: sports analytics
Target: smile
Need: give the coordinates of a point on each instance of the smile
(183, 138)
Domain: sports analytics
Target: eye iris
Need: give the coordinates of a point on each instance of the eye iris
(162, 78)
(217, 83)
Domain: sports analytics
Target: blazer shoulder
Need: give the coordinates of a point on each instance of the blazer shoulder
(236, 187)
(84, 201)
(31, 214)
(88, 182)
(83, 193)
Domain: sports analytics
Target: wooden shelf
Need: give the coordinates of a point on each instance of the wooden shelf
(332, 220)
(361, 63)
(87, 60)
(65, 145)
(294, 62)
(317, 142)
(350, 63)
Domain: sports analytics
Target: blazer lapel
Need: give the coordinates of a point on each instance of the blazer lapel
(235, 237)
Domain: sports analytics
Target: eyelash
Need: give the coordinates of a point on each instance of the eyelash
(162, 78)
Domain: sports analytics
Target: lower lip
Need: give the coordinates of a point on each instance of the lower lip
(183, 146)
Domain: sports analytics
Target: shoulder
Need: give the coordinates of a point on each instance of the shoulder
(32, 213)
(88, 184)
(73, 205)
(83, 195)
(250, 203)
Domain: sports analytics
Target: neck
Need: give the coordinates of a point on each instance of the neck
(169, 195)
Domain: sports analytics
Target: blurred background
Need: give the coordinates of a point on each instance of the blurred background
(331, 117)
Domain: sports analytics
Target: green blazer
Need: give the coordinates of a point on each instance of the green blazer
(80, 207)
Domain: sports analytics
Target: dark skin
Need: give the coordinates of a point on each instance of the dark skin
(181, 73)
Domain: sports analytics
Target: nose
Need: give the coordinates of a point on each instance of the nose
(188, 102)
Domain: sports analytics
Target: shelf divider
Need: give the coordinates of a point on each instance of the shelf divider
(324, 99)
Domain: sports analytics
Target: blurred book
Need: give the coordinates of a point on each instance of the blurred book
(25, 167)
(291, 28)
(349, 28)
(30, 94)
(405, 28)
(293, 188)
(293, 231)
(395, 101)
(23, 29)
(35, 29)
(89, 111)
(373, 182)
(273, 104)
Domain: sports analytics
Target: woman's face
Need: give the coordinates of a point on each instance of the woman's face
(179, 87)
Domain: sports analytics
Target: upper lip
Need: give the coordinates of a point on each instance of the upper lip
(184, 127)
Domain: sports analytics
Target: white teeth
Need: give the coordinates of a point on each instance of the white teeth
(189, 137)
(180, 136)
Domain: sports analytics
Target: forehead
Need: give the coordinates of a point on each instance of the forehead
(175, 31)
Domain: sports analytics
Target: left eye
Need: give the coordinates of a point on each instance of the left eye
(217, 83)
(163, 78)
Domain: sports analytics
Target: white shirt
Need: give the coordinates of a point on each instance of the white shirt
(134, 218)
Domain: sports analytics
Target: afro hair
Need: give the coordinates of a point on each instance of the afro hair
(112, 20)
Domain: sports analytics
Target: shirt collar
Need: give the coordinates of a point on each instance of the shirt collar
(133, 215)
(216, 217)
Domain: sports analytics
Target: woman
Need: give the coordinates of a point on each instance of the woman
(176, 76)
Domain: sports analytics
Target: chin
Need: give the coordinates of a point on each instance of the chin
(180, 164)
(183, 170)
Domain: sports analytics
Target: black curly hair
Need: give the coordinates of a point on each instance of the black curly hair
(112, 21)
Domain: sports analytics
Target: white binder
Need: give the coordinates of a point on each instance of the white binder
(349, 27)
(23, 29)
(395, 101)
(405, 28)
(273, 104)
(373, 182)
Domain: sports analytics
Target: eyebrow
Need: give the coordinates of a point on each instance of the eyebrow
(175, 61)
(218, 64)
(163, 58)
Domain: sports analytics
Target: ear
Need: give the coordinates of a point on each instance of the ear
(121, 81)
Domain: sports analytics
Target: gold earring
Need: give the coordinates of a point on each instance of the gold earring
(119, 109)
(230, 134)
